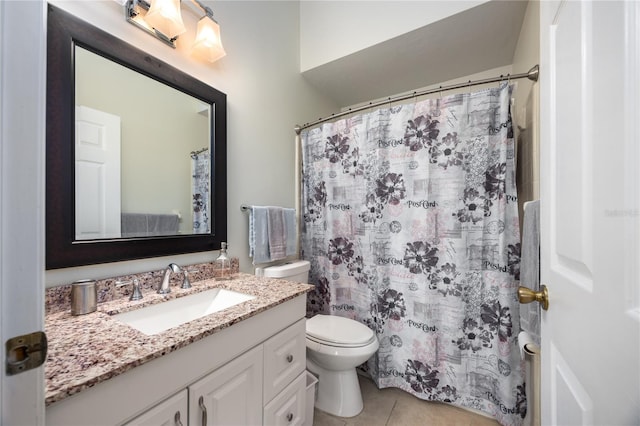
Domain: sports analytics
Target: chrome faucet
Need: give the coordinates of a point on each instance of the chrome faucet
(164, 286)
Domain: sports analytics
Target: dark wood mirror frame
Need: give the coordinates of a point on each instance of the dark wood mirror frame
(64, 31)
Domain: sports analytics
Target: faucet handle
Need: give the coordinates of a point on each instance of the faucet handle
(136, 294)
(185, 282)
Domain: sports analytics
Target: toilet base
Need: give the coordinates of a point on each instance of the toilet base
(338, 391)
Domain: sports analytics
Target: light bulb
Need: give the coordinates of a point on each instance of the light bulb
(165, 16)
(208, 44)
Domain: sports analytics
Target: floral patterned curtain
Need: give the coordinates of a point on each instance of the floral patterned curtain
(200, 191)
(411, 227)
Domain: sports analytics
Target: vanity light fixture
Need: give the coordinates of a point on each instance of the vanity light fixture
(162, 19)
(165, 16)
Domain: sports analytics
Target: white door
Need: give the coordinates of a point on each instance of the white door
(231, 395)
(97, 174)
(590, 156)
(22, 166)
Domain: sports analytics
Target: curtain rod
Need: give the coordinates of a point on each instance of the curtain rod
(532, 75)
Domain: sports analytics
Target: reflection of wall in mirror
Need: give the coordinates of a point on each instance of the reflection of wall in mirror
(160, 127)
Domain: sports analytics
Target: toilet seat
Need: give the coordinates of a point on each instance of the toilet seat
(338, 331)
(341, 345)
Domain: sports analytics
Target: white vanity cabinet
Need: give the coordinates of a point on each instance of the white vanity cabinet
(172, 412)
(265, 385)
(250, 373)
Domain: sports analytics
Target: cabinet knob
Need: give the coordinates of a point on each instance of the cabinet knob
(176, 419)
(289, 358)
(289, 417)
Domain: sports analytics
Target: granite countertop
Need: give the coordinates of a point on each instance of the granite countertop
(88, 349)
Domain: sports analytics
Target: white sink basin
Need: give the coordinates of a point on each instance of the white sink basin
(155, 319)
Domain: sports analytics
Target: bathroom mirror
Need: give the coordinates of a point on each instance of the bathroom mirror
(136, 152)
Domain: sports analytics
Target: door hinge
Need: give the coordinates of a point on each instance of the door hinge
(26, 352)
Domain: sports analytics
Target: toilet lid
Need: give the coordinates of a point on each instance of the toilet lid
(338, 330)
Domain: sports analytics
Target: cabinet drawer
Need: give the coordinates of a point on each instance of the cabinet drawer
(284, 359)
(288, 408)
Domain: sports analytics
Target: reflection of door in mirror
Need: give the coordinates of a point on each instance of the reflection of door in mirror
(160, 127)
(97, 174)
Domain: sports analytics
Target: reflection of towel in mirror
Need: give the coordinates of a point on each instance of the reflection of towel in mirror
(277, 233)
(148, 225)
(133, 225)
(163, 224)
(258, 235)
(530, 268)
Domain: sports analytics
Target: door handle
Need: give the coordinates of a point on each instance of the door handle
(204, 410)
(526, 295)
(176, 419)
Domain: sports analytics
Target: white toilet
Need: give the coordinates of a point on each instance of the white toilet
(335, 347)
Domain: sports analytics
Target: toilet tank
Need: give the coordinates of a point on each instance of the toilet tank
(297, 271)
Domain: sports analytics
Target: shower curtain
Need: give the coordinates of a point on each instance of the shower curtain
(410, 225)
(200, 191)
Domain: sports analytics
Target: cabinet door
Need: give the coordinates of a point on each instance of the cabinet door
(288, 407)
(172, 412)
(231, 395)
(284, 359)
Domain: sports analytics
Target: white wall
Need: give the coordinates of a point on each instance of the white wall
(266, 97)
(356, 25)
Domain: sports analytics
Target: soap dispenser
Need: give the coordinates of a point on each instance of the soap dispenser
(222, 264)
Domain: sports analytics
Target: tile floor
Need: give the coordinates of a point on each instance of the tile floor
(393, 407)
